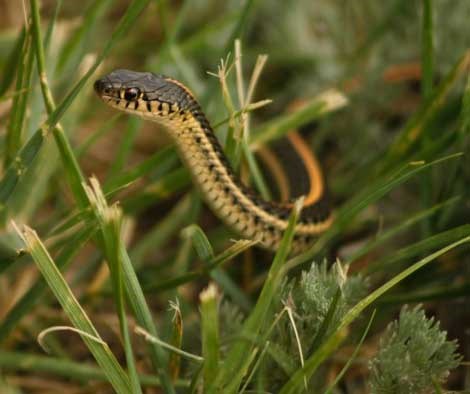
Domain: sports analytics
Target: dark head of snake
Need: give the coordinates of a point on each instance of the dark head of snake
(169, 103)
(150, 95)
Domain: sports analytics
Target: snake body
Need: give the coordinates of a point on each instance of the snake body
(171, 104)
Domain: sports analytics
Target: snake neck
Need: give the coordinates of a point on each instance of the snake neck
(233, 202)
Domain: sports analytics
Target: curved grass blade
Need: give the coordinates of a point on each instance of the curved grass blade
(101, 352)
(35, 293)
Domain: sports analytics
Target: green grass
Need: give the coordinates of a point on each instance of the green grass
(108, 256)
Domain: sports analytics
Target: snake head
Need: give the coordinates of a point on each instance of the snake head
(147, 94)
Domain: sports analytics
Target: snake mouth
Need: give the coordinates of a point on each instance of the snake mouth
(104, 88)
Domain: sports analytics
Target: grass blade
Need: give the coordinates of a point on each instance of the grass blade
(209, 333)
(163, 160)
(136, 299)
(13, 62)
(82, 372)
(72, 169)
(389, 234)
(316, 107)
(16, 123)
(421, 247)
(206, 254)
(35, 293)
(227, 255)
(353, 356)
(200, 242)
(416, 126)
(72, 47)
(174, 363)
(110, 222)
(103, 355)
(427, 51)
(161, 231)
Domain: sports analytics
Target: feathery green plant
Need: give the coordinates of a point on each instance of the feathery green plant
(414, 355)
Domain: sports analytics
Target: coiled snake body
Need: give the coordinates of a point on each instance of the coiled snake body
(168, 102)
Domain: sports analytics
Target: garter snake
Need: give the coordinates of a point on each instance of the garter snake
(171, 104)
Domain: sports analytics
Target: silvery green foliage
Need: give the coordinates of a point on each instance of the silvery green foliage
(308, 300)
(231, 319)
(314, 293)
(413, 354)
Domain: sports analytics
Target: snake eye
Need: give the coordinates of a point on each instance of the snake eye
(131, 94)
